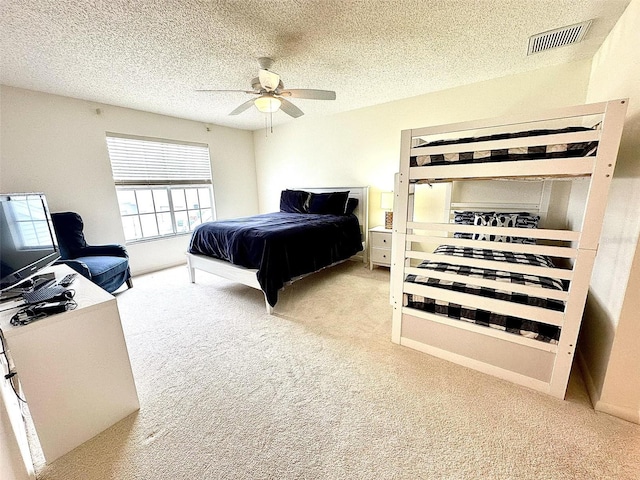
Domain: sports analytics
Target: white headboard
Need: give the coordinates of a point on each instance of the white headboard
(540, 207)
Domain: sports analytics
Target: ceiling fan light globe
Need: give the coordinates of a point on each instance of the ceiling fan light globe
(267, 104)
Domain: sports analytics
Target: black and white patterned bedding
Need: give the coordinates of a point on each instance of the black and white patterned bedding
(565, 150)
(496, 219)
(527, 328)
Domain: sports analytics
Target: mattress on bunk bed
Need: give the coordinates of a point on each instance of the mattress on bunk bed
(539, 152)
(524, 327)
(280, 245)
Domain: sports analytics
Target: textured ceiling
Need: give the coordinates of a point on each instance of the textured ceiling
(153, 55)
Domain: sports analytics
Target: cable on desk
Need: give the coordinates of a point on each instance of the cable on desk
(11, 374)
(37, 311)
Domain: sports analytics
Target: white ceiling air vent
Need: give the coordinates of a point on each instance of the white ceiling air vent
(558, 37)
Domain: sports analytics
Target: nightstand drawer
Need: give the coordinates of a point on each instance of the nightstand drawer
(380, 247)
(381, 240)
(381, 256)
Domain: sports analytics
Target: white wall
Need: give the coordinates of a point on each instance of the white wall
(12, 464)
(611, 330)
(57, 145)
(362, 147)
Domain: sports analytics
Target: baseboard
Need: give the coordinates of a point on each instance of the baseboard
(594, 394)
(158, 268)
(627, 414)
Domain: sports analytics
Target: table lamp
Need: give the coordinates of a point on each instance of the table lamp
(386, 203)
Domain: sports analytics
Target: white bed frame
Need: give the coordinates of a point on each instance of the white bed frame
(542, 366)
(248, 276)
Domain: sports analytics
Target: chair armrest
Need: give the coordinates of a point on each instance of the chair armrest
(76, 265)
(102, 250)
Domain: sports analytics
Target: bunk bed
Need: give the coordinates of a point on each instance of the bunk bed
(501, 292)
(269, 251)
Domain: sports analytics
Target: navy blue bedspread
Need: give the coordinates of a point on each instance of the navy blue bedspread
(280, 245)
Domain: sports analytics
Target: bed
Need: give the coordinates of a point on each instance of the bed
(314, 229)
(499, 287)
(494, 319)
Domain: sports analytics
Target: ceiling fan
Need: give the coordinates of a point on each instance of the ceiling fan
(271, 94)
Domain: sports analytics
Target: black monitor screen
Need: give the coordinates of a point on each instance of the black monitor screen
(27, 239)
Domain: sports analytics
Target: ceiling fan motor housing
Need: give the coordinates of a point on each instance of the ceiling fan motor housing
(269, 80)
(257, 86)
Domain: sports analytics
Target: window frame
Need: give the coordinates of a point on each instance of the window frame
(167, 185)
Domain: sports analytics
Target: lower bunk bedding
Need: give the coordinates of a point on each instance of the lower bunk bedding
(528, 328)
(281, 245)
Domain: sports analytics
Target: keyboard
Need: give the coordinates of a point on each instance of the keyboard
(47, 294)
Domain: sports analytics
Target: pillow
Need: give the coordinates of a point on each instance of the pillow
(494, 220)
(333, 203)
(527, 221)
(500, 219)
(466, 217)
(352, 204)
(294, 201)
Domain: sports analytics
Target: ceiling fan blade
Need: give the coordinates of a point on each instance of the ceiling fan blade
(309, 93)
(242, 107)
(268, 80)
(290, 109)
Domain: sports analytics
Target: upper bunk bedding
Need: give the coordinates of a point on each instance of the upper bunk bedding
(528, 328)
(536, 152)
(280, 245)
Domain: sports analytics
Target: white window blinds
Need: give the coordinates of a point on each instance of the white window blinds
(145, 161)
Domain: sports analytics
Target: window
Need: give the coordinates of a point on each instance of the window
(27, 223)
(164, 188)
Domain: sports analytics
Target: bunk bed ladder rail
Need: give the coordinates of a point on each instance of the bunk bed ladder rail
(611, 132)
(402, 211)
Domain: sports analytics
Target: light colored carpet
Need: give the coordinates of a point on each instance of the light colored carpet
(318, 391)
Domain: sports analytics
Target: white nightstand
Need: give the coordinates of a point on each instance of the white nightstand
(380, 247)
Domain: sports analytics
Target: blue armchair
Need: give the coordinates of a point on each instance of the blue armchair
(105, 265)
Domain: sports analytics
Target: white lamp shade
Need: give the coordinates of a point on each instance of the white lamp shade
(267, 104)
(386, 200)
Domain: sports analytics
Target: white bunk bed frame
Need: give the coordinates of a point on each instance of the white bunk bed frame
(542, 366)
(248, 276)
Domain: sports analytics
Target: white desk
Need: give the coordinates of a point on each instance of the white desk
(73, 368)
